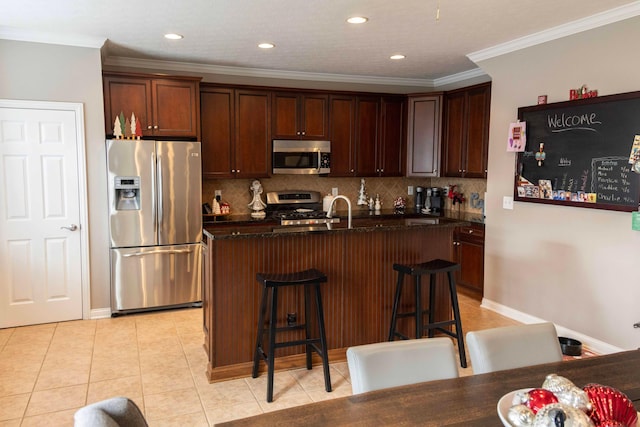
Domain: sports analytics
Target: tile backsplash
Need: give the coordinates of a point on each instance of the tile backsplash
(236, 191)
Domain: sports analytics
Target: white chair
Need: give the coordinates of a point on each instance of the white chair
(396, 363)
(511, 347)
(113, 412)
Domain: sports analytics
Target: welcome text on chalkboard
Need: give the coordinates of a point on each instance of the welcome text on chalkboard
(586, 148)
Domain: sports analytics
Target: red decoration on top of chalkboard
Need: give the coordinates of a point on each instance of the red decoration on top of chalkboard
(582, 93)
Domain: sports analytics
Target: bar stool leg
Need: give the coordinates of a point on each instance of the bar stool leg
(272, 343)
(257, 356)
(456, 316)
(419, 314)
(432, 302)
(307, 324)
(323, 340)
(396, 302)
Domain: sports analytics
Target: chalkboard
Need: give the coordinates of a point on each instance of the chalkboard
(587, 145)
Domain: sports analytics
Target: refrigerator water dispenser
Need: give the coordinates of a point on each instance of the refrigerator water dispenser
(127, 190)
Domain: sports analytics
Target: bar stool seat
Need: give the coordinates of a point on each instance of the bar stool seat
(431, 268)
(311, 280)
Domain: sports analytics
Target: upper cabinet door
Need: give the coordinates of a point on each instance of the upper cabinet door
(175, 106)
(253, 134)
(479, 107)
(455, 130)
(300, 116)
(423, 135)
(342, 110)
(367, 128)
(391, 158)
(217, 112)
(127, 95)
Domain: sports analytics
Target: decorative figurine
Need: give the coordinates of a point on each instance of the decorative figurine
(257, 205)
(371, 203)
(117, 129)
(541, 155)
(378, 203)
(399, 205)
(362, 194)
(133, 125)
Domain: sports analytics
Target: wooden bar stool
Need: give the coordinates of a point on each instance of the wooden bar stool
(432, 268)
(311, 280)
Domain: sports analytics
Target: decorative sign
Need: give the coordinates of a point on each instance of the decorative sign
(581, 93)
(583, 153)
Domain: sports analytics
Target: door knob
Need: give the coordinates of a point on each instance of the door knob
(71, 227)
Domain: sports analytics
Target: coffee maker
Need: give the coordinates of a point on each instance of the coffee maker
(436, 200)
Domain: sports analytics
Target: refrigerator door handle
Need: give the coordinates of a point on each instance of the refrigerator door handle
(160, 200)
(153, 198)
(171, 251)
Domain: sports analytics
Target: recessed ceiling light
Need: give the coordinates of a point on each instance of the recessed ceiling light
(266, 45)
(357, 20)
(173, 36)
(397, 57)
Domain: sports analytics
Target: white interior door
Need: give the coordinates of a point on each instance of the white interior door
(41, 254)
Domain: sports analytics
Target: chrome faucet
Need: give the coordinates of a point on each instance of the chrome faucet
(348, 205)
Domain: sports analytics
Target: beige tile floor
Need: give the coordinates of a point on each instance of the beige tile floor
(48, 371)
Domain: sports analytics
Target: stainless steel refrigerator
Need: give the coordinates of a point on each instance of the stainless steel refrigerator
(155, 224)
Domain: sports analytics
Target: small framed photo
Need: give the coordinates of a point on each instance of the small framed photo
(542, 99)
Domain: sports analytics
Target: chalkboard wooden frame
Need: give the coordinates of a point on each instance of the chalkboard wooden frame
(596, 134)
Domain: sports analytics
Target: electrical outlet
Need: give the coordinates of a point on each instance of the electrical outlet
(507, 202)
(218, 193)
(334, 191)
(410, 190)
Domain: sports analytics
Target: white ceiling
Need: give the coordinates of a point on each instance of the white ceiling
(311, 36)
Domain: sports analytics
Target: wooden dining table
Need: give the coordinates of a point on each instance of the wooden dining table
(465, 401)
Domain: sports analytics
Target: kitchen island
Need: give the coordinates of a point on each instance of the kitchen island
(357, 298)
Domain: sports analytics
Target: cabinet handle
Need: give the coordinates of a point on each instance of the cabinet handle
(352, 170)
(149, 127)
(298, 133)
(459, 170)
(155, 126)
(470, 231)
(233, 171)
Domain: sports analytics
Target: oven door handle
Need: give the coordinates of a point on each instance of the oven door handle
(319, 161)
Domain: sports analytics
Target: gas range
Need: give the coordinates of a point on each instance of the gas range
(297, 208)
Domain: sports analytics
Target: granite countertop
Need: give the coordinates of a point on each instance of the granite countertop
(235, 226)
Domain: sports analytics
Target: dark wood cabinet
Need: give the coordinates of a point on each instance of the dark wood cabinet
(236, 137)
(300, 116)
(342, 113)
(391, 148)
(218, 129)
(468, 248)
(252, 151)
(423, 135)
(367, 135)
(165, 107)
(466, 132)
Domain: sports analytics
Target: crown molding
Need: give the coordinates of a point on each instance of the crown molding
(18, 34)
(594, 21)
(459, 77)
(119, 61)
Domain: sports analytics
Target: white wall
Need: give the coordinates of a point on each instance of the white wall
(36, 71)
(575, 267)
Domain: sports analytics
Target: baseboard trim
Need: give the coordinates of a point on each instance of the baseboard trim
(593, 344)
(100, 313)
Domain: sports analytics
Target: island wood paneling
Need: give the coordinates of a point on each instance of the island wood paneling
(357, 298)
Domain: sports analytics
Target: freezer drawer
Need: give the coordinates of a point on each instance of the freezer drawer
(157, 276)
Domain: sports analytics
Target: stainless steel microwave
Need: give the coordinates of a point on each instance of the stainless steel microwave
(299, 157)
